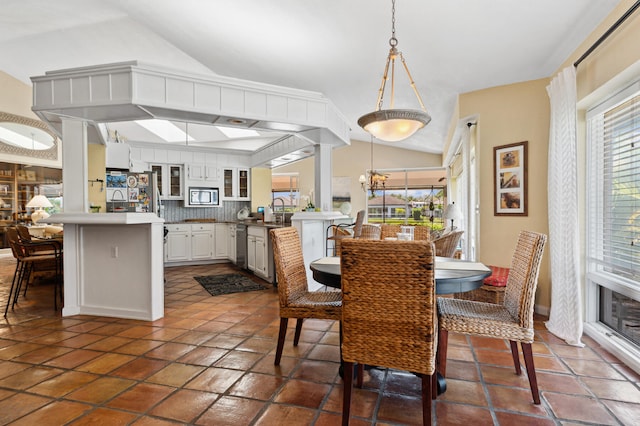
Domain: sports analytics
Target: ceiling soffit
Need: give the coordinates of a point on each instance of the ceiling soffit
(133, 91)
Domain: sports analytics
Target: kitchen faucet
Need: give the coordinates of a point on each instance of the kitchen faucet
(274, 208)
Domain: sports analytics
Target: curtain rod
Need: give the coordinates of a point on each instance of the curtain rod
(608, 33)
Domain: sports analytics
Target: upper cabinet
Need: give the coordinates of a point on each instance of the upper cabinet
(179, 170)
(236, 183)
(118, 156)
(203, 170)
(170, 180)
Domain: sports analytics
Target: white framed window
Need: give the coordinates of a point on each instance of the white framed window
(613, 218)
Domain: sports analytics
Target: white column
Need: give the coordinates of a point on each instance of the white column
(75, 196)
(323, 169)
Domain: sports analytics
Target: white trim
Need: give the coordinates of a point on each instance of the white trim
(612, 342)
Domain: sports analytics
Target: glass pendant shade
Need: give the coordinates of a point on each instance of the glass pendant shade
(393, 125)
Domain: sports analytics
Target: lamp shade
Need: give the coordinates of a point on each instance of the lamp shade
(452, 212)
(394, 125)
(39, 201)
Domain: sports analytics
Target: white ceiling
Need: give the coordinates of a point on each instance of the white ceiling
(337, 47)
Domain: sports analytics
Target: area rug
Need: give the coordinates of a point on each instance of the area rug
(228, 283)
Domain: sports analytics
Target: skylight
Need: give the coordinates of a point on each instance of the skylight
(234, 132)
(25, 136)
(165, 130)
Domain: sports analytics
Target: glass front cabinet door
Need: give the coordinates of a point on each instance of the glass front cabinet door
(236, 183)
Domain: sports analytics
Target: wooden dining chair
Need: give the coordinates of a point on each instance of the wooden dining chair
(389, 312)
(296, 301)
(29, 261)
(512, 320)
(342, 231)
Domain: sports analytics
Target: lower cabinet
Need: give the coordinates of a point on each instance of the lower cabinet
(221, 241)
(196, 242)
(232, 244)
(202, 241)
(259, 252)
(178, 245)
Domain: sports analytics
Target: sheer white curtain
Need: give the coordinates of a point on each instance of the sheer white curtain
(565, 318)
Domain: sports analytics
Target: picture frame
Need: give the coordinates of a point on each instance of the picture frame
(510, 179)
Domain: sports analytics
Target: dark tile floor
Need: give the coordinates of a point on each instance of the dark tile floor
(209, 361)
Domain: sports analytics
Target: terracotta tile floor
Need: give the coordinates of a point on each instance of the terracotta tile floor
(209, 361)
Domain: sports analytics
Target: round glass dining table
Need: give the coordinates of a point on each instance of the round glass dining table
(452, 275)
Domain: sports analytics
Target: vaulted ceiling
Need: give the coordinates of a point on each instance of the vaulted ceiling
(337, 47)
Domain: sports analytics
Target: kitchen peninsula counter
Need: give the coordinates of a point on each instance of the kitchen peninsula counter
(114, 265)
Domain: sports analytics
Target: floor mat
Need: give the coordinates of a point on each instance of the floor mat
(228, 283)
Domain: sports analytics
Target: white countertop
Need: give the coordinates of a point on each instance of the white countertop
(104, 218)
(318, 216)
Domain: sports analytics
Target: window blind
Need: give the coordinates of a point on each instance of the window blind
(613, 199)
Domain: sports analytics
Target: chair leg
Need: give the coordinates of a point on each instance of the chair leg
(346, 393)
(281, 335)
(515, 356)
(23, 278)
(427, 395)
(360, 367)
(434, 385)
(443, 342)
(296, 337)
(14, 282)
(531, 371)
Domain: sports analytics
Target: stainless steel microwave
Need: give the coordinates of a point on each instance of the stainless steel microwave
(202, 197)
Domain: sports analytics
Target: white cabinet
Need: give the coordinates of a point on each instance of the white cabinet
(202, 174)
(231, 244)
(170, 180)
(190, 242)
(251, 252)
(221, 240)
(202, 242)
(178, 243)
(259, 253)
(117, 155)
(235, 183)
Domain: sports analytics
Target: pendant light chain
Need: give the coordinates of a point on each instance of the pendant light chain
(393, 124)
(393, 41)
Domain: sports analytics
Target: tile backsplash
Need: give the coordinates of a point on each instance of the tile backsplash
(175, 211)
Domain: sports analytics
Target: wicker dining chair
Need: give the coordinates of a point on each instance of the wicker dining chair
(339, 232)
(447, 244)
(391, 231)
(370, 232)
(296, 301)
(389, 312)
(513, 320)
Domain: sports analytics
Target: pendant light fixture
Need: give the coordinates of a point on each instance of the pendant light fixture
(375, 181)
(393, 125)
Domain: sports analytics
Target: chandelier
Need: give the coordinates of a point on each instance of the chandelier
(392, 125)
(374, 180)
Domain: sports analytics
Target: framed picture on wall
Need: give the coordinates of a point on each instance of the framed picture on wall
(510, 179)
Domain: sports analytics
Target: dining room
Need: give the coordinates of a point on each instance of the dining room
(210, 360)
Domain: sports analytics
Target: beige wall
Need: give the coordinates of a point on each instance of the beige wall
(354, 160)
(96, 170)
(518, 112)
(509, 114)
(260, 188)
(15, 96)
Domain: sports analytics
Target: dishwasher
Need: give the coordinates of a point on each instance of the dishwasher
(241, 245)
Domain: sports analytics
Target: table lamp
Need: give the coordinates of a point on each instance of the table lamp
(39, 202)
(452, 212)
